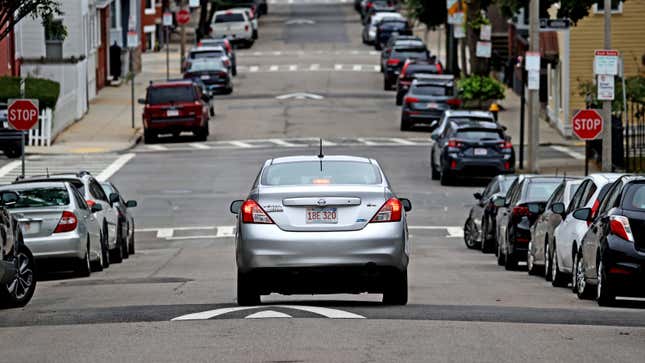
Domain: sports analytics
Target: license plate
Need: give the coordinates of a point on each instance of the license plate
(481, 152)
(172, 113)
(206, 76)
(30, 228)
(432, 105)
(321, 215)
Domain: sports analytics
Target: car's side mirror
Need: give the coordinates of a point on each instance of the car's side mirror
(114, 198)
(9, 198)
(582, 214)
(478, 196)
(558, 208)
(131, 204)
(142, 101)
(236, 205)
(96, 208)
(407, 205)
(499, 202)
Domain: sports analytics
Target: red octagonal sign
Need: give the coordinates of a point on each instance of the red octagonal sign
(22, 114)
(587, 124)
(183, 17)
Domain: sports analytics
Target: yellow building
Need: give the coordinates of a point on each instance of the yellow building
(576, 52)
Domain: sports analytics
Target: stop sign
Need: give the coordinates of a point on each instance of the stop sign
(183, 17)
(587, 124)
(22, 114)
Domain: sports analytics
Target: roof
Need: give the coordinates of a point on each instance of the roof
(207, 48)
(468, 113)
(290, 159)
(171, 83)
(476, 124)
(41, 184)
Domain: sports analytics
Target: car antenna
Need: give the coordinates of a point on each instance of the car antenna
(321, 155)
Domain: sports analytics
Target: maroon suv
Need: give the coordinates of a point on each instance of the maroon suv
(173, 107)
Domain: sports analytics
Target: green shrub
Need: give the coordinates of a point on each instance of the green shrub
(476, 91)
(45, 90)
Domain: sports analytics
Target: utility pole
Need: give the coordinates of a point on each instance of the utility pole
(534, 95)
(606, 105)
(182, 48)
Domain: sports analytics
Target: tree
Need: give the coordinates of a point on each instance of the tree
(207, 11)
(427, 12)
(12, 11)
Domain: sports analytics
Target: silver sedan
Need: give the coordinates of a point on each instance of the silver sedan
(321, 224)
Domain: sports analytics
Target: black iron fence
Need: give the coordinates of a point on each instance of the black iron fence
(633, 132)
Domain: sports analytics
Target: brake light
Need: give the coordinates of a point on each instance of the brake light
(521, 211)
(619, 226)
(222, 74)
(411, 100)
(369, 5)
(455, 143)
(439, 68)
(594, 209)
(253, 213)
(90, 203)
(453, 164)
(405, 68)
(393, 62)
(454, 102)
(505, 145)
(391, 211)
(67, 223)
(200, 44)
(246, 28)
(226, 62)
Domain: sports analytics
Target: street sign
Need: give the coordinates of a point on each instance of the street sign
(484, 49)
(459, 31)
(606, 87)
(22, 114)
(183, 17)
(167, 18)
(532, 61)
(606, 62)
(533, 83)
(456, 18)
(133, 39)
(193, 3)
(485, 32)
(587, 124)
(555, 24)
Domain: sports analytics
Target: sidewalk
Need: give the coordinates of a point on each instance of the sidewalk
(107, 126)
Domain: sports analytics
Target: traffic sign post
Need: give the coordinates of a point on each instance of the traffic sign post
(22, 115)
(587, 125)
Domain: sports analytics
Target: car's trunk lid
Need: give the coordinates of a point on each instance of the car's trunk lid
(38, 222)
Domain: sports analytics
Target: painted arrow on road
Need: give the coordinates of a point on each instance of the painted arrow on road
(300, 96)
(299, 22)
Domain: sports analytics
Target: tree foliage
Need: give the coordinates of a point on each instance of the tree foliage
(12, 11)
(427, 12)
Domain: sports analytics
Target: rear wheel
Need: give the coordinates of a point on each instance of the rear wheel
(20, 288)
(83, 267)
(202, 133)
(404, 125)
(557, 278)
(470, 233)
(446, 178)
(131, 245)
(501, 257)
(434, 173)
(399, 99)
(105, 251)
(149, 137)
(247, 294)
(14, 152)
(582, 288)
(511, 262)
(604, 294)
(387, 85)
(396, 290)
(530, 261)
(487, 243)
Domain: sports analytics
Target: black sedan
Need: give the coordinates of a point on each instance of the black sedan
(426, 100)
(479, 229)
(518, 212)
(413, 69)
(611, 257)
(213, 73)
(464, 148)
(395, 58)
(10, 139)
(386, 28)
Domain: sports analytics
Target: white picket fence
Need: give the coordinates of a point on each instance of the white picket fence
(41, 134)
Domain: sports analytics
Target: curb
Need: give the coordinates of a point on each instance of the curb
(133, 141)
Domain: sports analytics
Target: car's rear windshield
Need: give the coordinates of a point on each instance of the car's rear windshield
(229, 18)
(394, 25)
(160, 95)
(327, 172)
(41, 197)
(506, 183)
(635, 197)
(206, 66)
(421, 69)
(541, 190)
(461, 120)
(431, 90)
(206, 54)
(479, 135)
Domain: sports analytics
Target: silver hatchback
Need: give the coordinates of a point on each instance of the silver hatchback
(321, 224)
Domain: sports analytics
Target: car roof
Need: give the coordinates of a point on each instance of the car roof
(207, 48)
(605, 177)
(171, 83)
(290, 159)
(35, 184)
(468, 113)
(475, 125)
(230, 11)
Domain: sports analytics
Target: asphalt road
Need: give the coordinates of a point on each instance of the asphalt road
(462, 307)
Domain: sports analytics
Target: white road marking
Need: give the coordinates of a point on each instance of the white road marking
(254, 68)
(114, 167)
(280, 142)
(197, 228)
(565, 150)
(183, 238)
(225, 231)
(329, 313)
(210, 314)
(366, 142)
(273, 68)
(326, 312)
(314, 67)
(455, 232)
(328, 143)
(157, 147)
(357, 67)
(9, 168)
(402, 141)
(377, 68)
(240, 144)
(165, 232)
(338, 67)
(293, 68)
(268, 314)
(199, 146)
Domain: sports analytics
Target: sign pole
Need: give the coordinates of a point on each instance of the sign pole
(522, 112)
(586, 157)
(22, 138)
(607, 161)
(132, 87)
(534, 92)
(167, 53)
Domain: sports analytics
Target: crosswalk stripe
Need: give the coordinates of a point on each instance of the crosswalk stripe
(338, 67)
(8, 168)
(402, 141)
(366, 142)
(156, 147)
(273, 68)
(314, 67)
(254, 68)
(199, 146)
(225, 231)
(114, 167)
(377, 68)
(357, 67)
(293, 68)
(282, 143)
(240, 144)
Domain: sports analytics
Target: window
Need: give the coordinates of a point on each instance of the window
(635, 197)
(53, 40)
(79, 199)
(160, 95)
(321, 172)
(97, 191)
(556, 196)
(540, 191)
(114, 17)
(42, 197)
(577, 197)
(599, 7)
(150, 7)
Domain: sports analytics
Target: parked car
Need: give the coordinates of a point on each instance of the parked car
(369, 29)
(58, 226)
(90, 190)
(567, 236)
(543, 230)
(397, 56)
(612, 253)
(518, 212)
(427, 99)
(329, 224)
(417, 69)
(214, 52)
(479, 228)
(470, 148)
(378, 6)
(388, 27)
(462, 116)
(228, 48)
(17, 264)
(213, 73)
(173, 107)
(10, 139)
(235, 25)
(251, 15)
(125, 221)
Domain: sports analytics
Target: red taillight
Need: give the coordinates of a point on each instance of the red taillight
(594, 209)
(454, 102)
(90, 203)
(505, 145)
(520, 211)
(67, 223)
(200, 44)
(454, 143)
(369, 5)
(391, 211)
(226, 62)
(411, 100)
(222, 74)
(246, 28)
(439, 68)
(507, 165)
(253, 213)
(453, 164)
(404, 69)
(619, 226)
(393, 62)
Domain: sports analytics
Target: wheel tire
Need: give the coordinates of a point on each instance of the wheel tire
(434, 173)
(404, 125)
(582, 288)
(116, 255)
(510, 262)
(386, 85)
(234, 71)
(501, 256)
(396, 290)
(149, 137)
(530, 262)
(105, 251)
(83, 266)
(13, 153)
(445, 178)
(202, 133)
(604, 294)
(125, 251)
(469, 229)
(487, 244)
(399, 100)
(131, 249)
(557, 278)
(19, 290)
(246, 291)
(548, 270)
